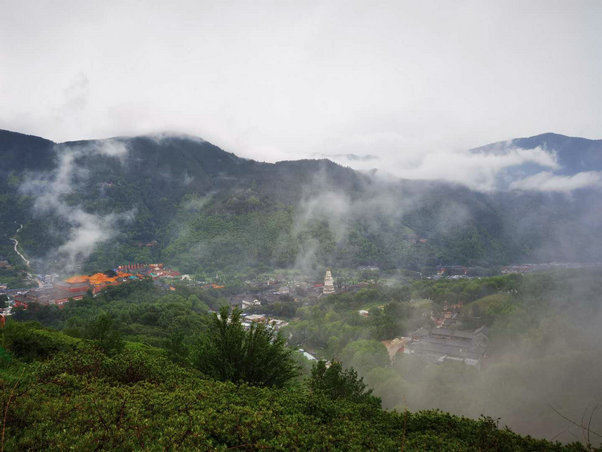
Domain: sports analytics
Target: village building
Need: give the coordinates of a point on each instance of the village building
(39, 296)
(449, 316)
(284, 290)
(54, 292)
(74, 288)
(395, 346)
(444, 344)
(246, 304)
(308, 355)
(248, 319)
(257, 318)
(277, 323)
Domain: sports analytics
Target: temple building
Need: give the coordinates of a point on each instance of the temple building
(328, 283)
(445, 344)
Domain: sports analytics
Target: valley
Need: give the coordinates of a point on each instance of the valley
(420, 287)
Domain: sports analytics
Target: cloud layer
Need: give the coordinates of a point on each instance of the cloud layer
(548, 181)
(404, 81)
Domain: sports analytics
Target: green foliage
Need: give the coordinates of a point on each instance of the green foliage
(258, 356)
(73, 402)
(491, 307)
(337, 383)
(464, 290)
(177, 351)
(140, 312)
(30, 341)
(390, 322)
(80, 398)
(102, 332)
(131, 365)
(365, 355)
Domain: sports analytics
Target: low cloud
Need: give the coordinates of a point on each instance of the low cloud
(161, 137)
(342, 158)
(76, 95)
(87, 231)
(110, 148)
(548, 181)
(479, 171)
(398, 156)
(331, 207)
(52, 190)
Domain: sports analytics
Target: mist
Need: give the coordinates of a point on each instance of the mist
(56, 194)
(543, 366)
(541, 373)
(205, 211)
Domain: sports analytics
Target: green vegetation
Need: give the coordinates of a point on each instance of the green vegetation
(258, 356)
(195, 207)
(539, 357)
(137, 367)
(79, 397)
(138, 312)
(544, 346)
(339, 383)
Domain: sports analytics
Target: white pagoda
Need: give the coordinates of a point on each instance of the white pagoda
(328, 283)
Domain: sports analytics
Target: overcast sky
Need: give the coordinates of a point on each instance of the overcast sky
(279, 80)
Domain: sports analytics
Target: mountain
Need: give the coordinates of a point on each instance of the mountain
(551, 155)
(181, 200)
(573, 154)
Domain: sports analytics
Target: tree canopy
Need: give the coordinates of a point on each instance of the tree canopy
(228, 352)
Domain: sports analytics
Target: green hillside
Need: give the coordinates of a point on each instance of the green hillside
(59, 392)
(140, 364)
(185, 202)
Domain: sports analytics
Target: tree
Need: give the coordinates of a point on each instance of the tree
(258, 356)
(389, 322)
(336, 383)
(30, 341)
(365, 355)
(103, 332)
(3, 300)
(177, 351)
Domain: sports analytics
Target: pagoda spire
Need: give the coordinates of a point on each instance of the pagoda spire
(328, 283)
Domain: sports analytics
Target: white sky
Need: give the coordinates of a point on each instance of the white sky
(287, 79)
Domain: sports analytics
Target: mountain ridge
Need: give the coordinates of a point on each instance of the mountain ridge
(207, 208)
(572, 154)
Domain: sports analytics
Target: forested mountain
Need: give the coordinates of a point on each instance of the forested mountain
(570, 159)
(184, 201)
(574, 154)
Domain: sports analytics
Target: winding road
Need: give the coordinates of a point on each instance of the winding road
(29, 275)
(17, 244)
